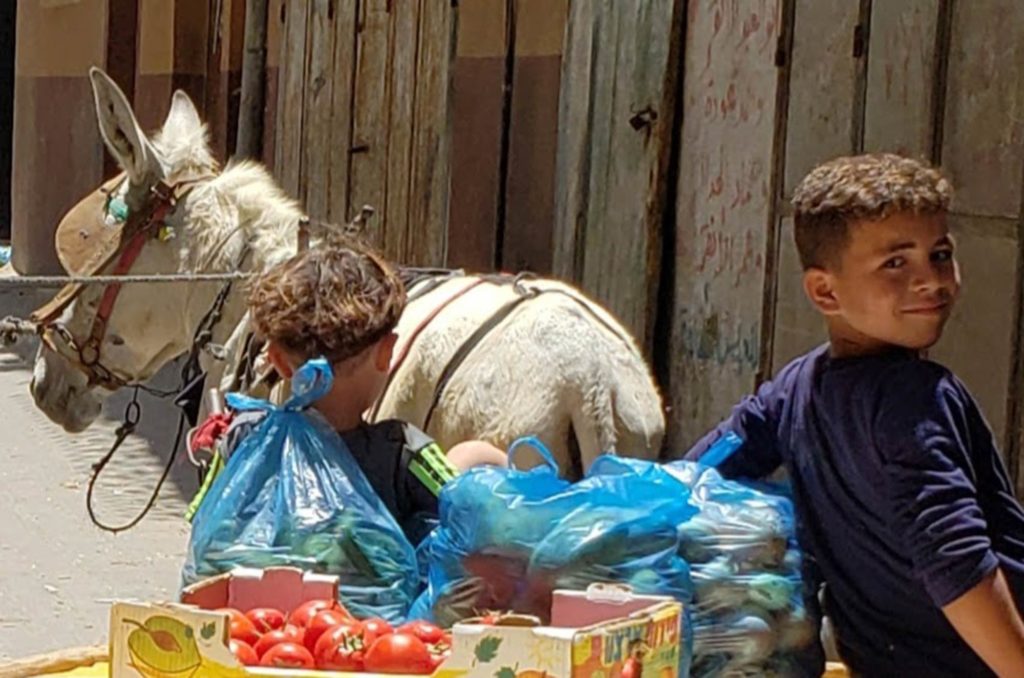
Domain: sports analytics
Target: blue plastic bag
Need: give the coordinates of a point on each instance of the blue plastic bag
(292, 494)
(749, 612)
(508, 538)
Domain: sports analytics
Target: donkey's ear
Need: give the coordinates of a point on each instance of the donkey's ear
(121, 132)
(183, 120)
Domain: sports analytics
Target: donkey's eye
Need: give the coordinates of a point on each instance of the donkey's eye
(116, 340)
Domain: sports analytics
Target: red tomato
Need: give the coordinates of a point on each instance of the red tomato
(632, 668)
(378, 626)
(244, 652)
(289, 634)
(240, 628)
(343, 647)
(290, 655)
(302, 615)
(323, 620)
(266, 618)
(399, 653)
(425, 631)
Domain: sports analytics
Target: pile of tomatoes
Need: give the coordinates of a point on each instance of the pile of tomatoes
(321, 634)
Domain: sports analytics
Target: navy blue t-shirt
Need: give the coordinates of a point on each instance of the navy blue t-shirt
(903, 500)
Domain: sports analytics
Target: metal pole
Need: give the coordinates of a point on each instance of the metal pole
(249, 143)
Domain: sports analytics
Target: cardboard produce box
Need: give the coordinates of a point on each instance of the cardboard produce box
(592, 633)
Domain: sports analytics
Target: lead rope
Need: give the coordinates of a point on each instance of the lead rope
(133, 412)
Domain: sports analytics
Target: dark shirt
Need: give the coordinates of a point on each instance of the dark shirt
(903, 500)
(388, 452)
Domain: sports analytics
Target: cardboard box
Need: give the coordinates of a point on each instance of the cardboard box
(193, 636)
(592, 633)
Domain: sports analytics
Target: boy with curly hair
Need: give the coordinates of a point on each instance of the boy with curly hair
(904, 505)
(342, 302)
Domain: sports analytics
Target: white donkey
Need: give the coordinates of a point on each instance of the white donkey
(557, 366)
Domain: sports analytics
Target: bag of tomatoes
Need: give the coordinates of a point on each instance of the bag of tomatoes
(293, 495)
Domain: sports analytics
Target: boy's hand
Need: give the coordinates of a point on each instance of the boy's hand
(987, 619)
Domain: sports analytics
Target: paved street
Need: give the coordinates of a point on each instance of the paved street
(58, 572)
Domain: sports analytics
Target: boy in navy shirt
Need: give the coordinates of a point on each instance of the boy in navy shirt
(904, 503)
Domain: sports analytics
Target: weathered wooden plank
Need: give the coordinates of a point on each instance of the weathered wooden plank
(723, 211)
(619, 85)
(428, 195)
(983, 145)
(533, 135)
(275, 28)
(319, 119)
(288, 158)
(342, 98)
(368, 166)
(798, 327)
(575, 128)
(401, 81)
(820, 125)
(977, 344)
(822, 85)
(478, 81)
(901, 68)
(604, 119)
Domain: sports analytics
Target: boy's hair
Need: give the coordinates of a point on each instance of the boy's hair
(864, 187)
(333, 301)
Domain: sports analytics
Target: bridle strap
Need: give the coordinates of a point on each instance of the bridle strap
(90, 351)
(141, 226)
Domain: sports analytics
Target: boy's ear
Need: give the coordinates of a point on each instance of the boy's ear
(385, 349)
(278, 357)
(820, 289)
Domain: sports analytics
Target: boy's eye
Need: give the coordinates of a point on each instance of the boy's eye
(942, 256)
(895, 262)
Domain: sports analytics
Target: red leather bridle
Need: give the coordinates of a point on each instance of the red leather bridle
(86, 355)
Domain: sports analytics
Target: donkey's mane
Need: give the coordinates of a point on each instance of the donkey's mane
(244, 197)
(268, 214)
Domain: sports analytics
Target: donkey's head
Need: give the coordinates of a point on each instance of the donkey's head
(147, 325)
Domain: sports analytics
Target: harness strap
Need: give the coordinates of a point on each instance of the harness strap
(468, 346)
(397, 364)
(431, 283)
(412, 276)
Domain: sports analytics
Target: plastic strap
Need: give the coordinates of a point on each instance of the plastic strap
(536, 444)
